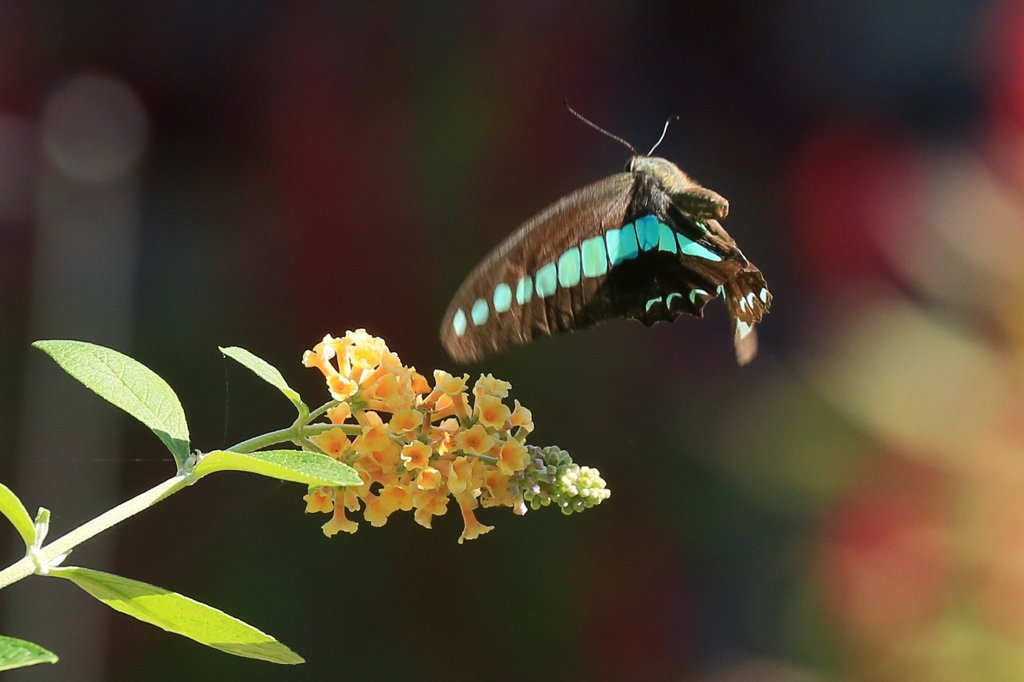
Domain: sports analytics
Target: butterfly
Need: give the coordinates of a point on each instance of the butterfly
(645, 244)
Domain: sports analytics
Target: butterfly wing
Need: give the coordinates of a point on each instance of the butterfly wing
(617, 248)
(514, 295)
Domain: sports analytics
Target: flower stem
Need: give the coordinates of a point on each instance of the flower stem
(64, 544)
(292, 434)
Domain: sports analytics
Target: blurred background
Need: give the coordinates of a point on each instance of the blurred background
(848, 507)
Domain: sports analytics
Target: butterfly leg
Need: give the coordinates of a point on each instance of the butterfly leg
(701, 202)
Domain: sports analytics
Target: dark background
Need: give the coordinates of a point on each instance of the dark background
(175, 177)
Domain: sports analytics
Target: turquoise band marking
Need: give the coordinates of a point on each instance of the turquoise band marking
(666, 238)
(742, 328)
(569, 268)
(459, 322)
(595, 259)
(547, 280)
(701, 225)
(694, 293)
(647, 232)
(764, 295)
(524, 290)
(622, 244)
(692, 248)
(668, 299)
(651, 302)
(480, 312)
(502, 298)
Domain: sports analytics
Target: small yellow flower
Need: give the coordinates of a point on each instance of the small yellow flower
(391, 390)
(339, 523)
(321, 355)
(319, 500)
(406, 420)
(375, 435)
(396, 496)
(460, 475)
(429, 478)
(333, 442)
(491, 411)
(420, 385)
(341, 387)
(522, 417)
(488, 385)
(511, 457)
(497, 490)
(428, 504)
(473, 528)
(416, 455)
(448, 384)
(340, 413)
(366, 351)
(377, 511)
(475, 441)
(443, 436)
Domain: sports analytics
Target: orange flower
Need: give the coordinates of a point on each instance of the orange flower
(488, 385)
(366, 351)
(333, 442)
(377, 511)
(428, 504)
(340, 413)
(420, 385)
(319, 500)
(375, 435)
(429, 478)
(460, 475)
(341, 388)
(406, 420)
(339, 523)
(474, 441)
(511, 457)
(522, 417)
(416, 455)
(491, 411)
(473, 528)
(448, 384)
(396, 496)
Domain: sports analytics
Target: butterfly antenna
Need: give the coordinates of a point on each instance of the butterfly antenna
(600, 129)
(663, 131)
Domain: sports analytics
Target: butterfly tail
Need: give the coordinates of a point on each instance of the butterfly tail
(748, 300)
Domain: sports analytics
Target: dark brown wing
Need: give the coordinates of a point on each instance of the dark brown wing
(539, 242)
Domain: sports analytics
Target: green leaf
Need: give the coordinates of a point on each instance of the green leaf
(299, 466)
(17, 653)
(128, 384)
(264, 370)
(179, 614)
(16, 513)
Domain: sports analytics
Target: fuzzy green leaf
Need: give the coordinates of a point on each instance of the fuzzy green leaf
(179, 614)
(15, 511)
(264, 370)
(298, 466)
(17, 653)
(127, 384)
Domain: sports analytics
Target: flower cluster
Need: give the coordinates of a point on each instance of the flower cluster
(415, 445)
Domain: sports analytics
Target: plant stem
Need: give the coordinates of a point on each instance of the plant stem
(64, 544)
(291, 434)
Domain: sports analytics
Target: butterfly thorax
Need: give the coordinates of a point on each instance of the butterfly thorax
(668, 175)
